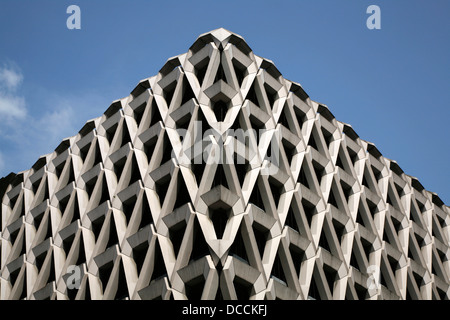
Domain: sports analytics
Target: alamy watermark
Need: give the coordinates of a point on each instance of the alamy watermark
(74, 279)
(235, 146)
(74, 20)
(374, 20)
(373, 281)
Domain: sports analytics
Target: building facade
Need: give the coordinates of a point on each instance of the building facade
(219, 179)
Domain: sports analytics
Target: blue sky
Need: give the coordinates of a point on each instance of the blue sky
(392, 85)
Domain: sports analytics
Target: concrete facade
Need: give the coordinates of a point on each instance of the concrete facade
(116, 211)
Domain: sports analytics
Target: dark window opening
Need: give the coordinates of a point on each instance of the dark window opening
(81, 253)
(251, 95)
(188, 94)
(167, 149)
(34, 187)
(220, 74)
(220, 177)
(83, 154)
(359, 218)
(37, 222)
(271, 94)
(377, 173)
(48, 231)
(393, 263)
(353, 261)
(220, 109)
(339, 228)
(318, 170)
(118, 167)
(290, 152)
(382, 280)
(112, 239)
(63, 204)
(168, 92)
(135, 173)
(149, 147)
(46, 191)
(347, 190)
(241, 170)
(368, 248)
(104, 273)
(372, 208)
(76, 210)
(291, 220)
(276, 190)
(98, 154)
(97, 226)
(67, 243)
(353, 156)
(105, 192)
(219, 218)
(176, 234)
(146, 217)
(159, 268)
(194, 288)
(156, 116)
(238, 249)
(128, 207)
(283, 118)
(364, 181)
(330, 275)
(139, 254)
(13, 276)
(302, 178)
(332, 199)
(51, 275)
(314, 290)
(339, 162)
(200, 247)
(162, 187)
(138, 113)
(361, 292)
(200, 70)
(261, 237)
(239, 70)
(309, 209)
(122, 288)
(198, 169)
(89, 186)
(40, 260)
(312, 142)
(298, 255)
(125, 135)
(182, 193)
(323, 242)
(243, 289)
(301, 116)
(111, 132)
(255, 197)
(327, 136)
(277, 270)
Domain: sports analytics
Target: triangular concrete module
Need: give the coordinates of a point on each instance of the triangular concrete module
(218, 178)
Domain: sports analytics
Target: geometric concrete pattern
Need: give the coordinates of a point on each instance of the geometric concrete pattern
(118, 212)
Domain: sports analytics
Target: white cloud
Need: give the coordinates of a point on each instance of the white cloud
(57, 124)
(10, 79)
(12, 106)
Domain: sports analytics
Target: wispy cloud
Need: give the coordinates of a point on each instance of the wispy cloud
(2, 162)
(10, 78)
(26, 133)
(12, 105)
